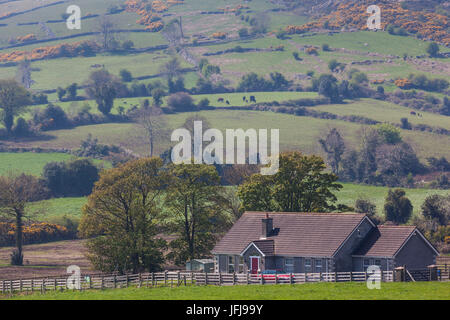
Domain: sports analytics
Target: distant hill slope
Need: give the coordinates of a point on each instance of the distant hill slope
(409, 15)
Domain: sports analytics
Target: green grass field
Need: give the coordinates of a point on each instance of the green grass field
(29, 163)
(310, 291)
(296, 133)
(54, 210)
(351, 192)
(33, 163)
(385, 112)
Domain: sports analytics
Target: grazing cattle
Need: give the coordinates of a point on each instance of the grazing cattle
(220, 100)
(246, 101)
(244, 98)
(252, 99)
(228, 102)
(413, 113)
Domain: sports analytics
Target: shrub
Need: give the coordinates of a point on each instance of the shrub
(243, 33)
(33, 233)
(365, 206)
(125, 75)
(204, 103)
(325, 47)
(22, 129)
(71, 179)
(433, 49)
(51, 118)
(397, 207)
(180, 102)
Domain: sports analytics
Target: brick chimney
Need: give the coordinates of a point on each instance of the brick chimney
(267, 227)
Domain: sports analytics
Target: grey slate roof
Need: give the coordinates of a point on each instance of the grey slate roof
(384, 241)
(299, 234)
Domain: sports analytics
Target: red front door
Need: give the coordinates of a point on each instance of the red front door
(255, 265)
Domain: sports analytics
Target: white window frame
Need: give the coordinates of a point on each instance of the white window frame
(365, 266)
(231, 264)
(241, 264)
(289, 267)
(315, 265)
(308, 266)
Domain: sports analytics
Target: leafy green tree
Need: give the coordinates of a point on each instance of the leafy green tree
(327, 86)
(72, 91)
(103, 87)
(389, 133)
(365, 206)
(397, 207)
(157, 95)
(126, 75)
(433, 49)
(124, 216)
(194, 202)
(301, 185)
(13, 100)
(437, 207)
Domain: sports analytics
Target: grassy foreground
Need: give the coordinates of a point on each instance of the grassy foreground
(310, 291)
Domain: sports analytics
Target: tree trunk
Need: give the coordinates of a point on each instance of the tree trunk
(19, 237)
(8, 120)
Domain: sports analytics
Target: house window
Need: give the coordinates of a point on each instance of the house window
(318, 265)
(378, 262)
(289, 265)
(241, 264)
(308, 265)
(230, 264)
(366, 264)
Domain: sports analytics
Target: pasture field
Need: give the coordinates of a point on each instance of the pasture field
(27, 162)
(33, 162)
(296, 133)
(54, 210)
(385, 112)
(351, 192)
(308, 291)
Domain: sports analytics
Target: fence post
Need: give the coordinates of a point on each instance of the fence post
(206, 278)
(178, 279)
(234, 278)
(220, 278)
(153, 279)
(165, 278)
(351, 276)
(184, 279)
(101, 283)
(432, 273)
(335, 276)
(262, 278)
(114, 282)
(3, 286)
(248, 277)
(32, 285)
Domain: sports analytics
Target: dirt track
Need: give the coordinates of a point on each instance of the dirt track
(42, 260)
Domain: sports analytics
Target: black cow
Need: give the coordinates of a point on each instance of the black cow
(228, 102)
(252, 99)
(220, 100)
(244, 98)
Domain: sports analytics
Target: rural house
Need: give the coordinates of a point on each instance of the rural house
(319, 242)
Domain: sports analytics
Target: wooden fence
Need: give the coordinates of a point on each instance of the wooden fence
(172, 279)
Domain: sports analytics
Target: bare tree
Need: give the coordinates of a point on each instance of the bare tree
(107, 34)
(171, 69)
(154, 122)
(15, 193)
(334, 147)
(23, 74)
